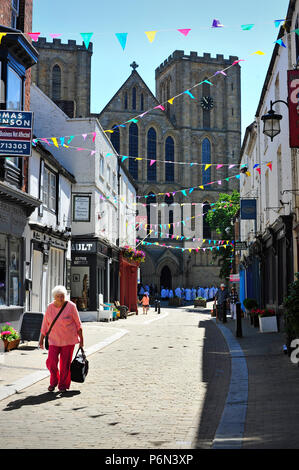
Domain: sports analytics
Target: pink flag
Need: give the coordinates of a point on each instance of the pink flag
(185, 32)
(237, 61)
(152, 162)
(218, 166)
(34, 36)
(84, 136)
(94, 136)
(160, 107)
(53, 35)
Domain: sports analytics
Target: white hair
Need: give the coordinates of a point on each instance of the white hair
(59, 290)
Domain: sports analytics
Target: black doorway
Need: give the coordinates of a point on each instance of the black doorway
(166, 278)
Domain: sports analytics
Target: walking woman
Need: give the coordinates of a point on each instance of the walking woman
(145, 303)
(66, 332)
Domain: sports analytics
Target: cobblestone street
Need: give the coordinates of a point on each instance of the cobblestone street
(162, 385)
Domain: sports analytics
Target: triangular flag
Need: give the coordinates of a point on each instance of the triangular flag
(152, 162)
(207, 166)
(84, 136)
(201, 187)
(185, 32)
(258, 53)
(216, 24)
(247, 27)
(34, 36)
(2, 36)
(219, 166)
(124, 158)
(55, 141)
(269, 165)
(151, 35)
(94, 136)
(259, 170)
(248, 173)
(86, 38)
(254, 166)
(122, 37)
(277, 23)
(220, 71)
(280, 42)
(160, 107)
(231, 166)
(170, 100)
(54, 35)
(190, 94)
(237, 61)
(207, 81)
(295, 31)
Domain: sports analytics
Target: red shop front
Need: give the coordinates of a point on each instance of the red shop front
(128, 282)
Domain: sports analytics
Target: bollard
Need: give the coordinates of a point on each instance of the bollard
(238, 320)
(224, 320)
(158, 306)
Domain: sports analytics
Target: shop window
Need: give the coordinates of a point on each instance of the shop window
(10, 270)
(3, 269)
(49, 189)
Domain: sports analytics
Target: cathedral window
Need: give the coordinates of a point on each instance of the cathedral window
(151, 199)
(206, 159)
(141, 102)
(169, 159)
(206, 229)
(134, 98)
(133, 150)
(151, 154)
(126, 100)
(169, 201)
(115, 139)
(56, 82)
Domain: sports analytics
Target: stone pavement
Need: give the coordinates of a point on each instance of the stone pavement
(272, 418)
(162, 385)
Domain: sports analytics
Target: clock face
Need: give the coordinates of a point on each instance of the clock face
(207, 102)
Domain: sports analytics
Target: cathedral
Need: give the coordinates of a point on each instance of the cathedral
(169, 150)
(160, 150)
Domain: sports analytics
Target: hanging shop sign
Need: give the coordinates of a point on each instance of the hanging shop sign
(234, 277)
(240, 245)
(16, 133)
(248, 209)
(293, 103)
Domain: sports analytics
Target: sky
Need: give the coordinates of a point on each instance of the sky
(111, 64)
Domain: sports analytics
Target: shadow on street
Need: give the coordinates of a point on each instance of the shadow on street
(33, 400)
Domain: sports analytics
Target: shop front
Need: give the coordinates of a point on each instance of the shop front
(94, 273)
(128, 272)
(15, 208)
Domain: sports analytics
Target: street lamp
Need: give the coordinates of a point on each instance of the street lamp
(272, 121)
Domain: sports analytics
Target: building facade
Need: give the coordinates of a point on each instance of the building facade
(204, 130)
(63, 73)
(17, 56)
(269, 264)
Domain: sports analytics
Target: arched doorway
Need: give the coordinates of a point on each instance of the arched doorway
(166, 278)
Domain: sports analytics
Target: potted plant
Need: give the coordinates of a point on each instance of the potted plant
(200, 302)
(291, 314)
(254, 317)
(249, 304)
(10, 337)
(267, 321)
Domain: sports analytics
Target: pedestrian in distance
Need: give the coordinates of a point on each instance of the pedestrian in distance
(65, 333)
(145, 303)
(233, 299)
(221, 298)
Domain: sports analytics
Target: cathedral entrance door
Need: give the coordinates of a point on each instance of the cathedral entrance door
(166, 278)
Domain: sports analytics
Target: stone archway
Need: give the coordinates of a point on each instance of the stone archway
(166, 277)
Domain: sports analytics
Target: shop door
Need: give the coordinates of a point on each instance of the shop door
(37, 278)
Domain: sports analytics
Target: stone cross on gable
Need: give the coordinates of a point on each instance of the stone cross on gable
(134, 65)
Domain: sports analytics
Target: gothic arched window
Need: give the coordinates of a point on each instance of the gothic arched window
(115, 139)
(151, 154)
(141, 102)
(169, 157)
(151, 199)
(56, 82)
(206, 113)
(205, 160)
(206, 229)
(169, 201)
(126, 100)
(134, 98)
(133, 150)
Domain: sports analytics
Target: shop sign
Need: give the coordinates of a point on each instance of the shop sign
(89, 247)
(240, 245)
(80, 261)
(248, 209)
(16, 133)
(293, 104)
(234, 277)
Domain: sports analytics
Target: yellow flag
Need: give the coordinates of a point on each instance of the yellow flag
(55, 142)
(248, 173)
(110, 131)
(138, 158)
(1, 36)
(258, 53)
(171, 100)
(207, 166)
(201, 187)
(204, 240)
(151, 35)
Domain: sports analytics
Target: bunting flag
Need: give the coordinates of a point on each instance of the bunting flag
(170, 100)
(237, 61)
(280, 42)
(122, 38)
(219, 166)
(295, 31)
(277, 23)
(259, 170)
(160, 107)
(269, 165)
(124, 158)
(220, 71)
(152, 162)
(258, 53)
(151, 35)
(187, 92)
(34, 36)
(2, 36)
(207, 166)
(86, 38)
(54, 35)
(185, 32)
(247, 27)
(216, 24)
(55, 142)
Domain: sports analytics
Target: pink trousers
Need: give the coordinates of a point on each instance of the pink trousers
(61, 376)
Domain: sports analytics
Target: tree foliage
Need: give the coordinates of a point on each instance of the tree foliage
(220, 219)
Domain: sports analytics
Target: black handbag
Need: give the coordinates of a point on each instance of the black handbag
(52, 324)
(79, 367)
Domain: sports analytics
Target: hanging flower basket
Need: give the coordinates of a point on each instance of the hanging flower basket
(10, 337)
(133, 255)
